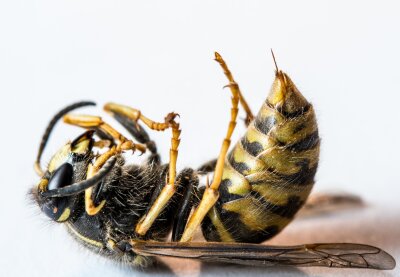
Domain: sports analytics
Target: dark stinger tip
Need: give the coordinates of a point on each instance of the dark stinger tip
(273, 57)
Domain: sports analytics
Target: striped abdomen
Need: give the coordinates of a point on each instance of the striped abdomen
(269, 173)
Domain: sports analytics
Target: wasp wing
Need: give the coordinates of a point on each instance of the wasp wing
(323, 203)
(324, 254)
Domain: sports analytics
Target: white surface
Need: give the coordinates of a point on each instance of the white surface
(158, 57)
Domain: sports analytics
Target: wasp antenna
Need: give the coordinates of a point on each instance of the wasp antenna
(82, 185)
(273, 57)
(50, 128)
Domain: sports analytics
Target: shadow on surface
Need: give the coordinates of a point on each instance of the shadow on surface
(209, 269)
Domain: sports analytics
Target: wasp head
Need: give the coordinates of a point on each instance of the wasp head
(66, 168)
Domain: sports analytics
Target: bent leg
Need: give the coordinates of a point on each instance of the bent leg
(211, 193)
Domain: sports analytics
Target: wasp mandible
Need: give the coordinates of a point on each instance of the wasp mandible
(126, 211)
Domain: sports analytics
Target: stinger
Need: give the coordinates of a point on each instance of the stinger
(273, 57)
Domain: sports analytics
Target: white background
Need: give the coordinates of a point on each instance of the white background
(158, 56)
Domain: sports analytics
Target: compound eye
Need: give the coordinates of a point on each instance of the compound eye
(62, 177)
(57, 208)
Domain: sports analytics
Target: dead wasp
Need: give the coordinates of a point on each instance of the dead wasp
(125, 211)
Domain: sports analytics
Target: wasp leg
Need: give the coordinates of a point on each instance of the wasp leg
(90, 206)
(103, 143)
(178, 208)
(211, 193)
(139, 133)
(235, 89)
(188, 183)
(107, 131)
(321, 203)
(210, 165)
(169, 189)
(207, 167)
(129, 118)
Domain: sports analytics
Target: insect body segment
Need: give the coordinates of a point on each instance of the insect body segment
(269, 173)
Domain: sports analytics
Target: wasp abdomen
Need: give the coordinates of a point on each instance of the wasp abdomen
(269, 173)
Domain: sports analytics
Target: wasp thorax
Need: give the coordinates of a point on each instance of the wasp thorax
(285, 96)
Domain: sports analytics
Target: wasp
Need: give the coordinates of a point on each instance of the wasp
(126, 211)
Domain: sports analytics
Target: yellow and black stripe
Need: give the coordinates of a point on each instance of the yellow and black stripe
(269, 173)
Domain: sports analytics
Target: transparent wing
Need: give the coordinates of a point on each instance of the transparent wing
(328, 254)
(324, 203)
